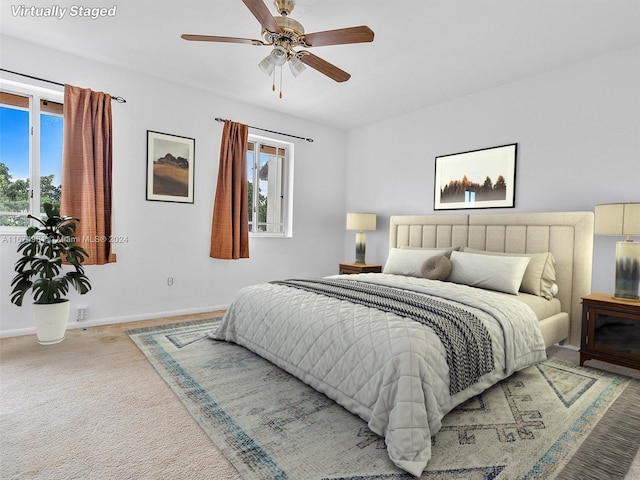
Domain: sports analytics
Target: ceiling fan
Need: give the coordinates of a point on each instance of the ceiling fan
(285, 34)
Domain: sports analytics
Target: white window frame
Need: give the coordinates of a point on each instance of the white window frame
(35, 94)
(286, 183)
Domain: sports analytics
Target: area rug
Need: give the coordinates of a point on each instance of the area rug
(551, 420)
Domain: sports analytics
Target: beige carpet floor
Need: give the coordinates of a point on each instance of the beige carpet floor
(92, 407)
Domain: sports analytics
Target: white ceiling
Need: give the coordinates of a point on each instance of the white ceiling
(424, 52)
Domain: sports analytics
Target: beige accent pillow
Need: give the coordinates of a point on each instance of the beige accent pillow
(436, 268)
(540, 275)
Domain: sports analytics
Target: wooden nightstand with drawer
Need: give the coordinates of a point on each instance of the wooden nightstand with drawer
(351, 268)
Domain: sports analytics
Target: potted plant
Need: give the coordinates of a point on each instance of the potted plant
(40, 269)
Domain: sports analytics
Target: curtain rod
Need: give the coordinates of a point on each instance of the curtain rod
(222, 120)
(117, 99)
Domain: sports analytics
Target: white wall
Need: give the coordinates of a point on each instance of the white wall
(578, 135)
(170, 239)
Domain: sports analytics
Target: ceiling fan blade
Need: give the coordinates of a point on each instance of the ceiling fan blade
(324, 67)
(263, 15)
(212, 38)
(340, 36)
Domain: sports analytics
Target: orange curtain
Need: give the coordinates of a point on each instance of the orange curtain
(230, 225)
(86, 170)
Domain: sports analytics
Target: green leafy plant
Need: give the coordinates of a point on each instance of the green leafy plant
(39, 269)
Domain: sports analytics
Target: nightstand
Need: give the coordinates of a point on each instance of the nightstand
(349, 268)
(610, 330)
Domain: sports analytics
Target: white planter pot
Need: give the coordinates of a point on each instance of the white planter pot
(51, 321)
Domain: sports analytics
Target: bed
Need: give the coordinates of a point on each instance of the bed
(401, 351)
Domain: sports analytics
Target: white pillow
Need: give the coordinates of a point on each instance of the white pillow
(540, 275)
(503, 274)
(408, 261)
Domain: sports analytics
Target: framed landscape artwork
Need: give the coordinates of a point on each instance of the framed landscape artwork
(170, 167)
(483, 178)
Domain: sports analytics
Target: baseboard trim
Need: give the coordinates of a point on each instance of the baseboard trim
(114, 320)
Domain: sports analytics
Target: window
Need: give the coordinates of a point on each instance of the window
(269, 172)
(30, 152)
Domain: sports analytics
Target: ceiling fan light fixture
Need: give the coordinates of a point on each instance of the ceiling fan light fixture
(296, 66)
(278, 56)
(266, 65)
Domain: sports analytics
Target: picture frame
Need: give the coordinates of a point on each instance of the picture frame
(170, 167)
(484, 178)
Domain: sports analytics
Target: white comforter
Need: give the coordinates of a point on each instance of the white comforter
(389, 370)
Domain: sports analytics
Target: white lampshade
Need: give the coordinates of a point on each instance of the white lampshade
(296, 66)
(361, 221)
(266, 65)
(622, 219)
(278, 56)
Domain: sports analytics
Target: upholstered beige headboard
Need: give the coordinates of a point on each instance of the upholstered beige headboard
(567, 235)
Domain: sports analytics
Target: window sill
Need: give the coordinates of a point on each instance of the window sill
(269, 235)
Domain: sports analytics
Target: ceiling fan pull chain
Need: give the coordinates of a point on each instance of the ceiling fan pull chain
(280, 81)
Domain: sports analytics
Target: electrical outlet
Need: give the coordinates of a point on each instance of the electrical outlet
(82, 313)
(170, 281)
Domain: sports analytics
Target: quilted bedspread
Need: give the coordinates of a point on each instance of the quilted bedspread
(388, 369)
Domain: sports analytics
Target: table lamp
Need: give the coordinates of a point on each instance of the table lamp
(622, 219)
(361, 222)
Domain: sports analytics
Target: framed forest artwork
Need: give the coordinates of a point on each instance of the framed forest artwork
(170, 167)
(482, 178)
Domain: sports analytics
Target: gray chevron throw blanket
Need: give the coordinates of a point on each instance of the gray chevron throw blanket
(466, 340)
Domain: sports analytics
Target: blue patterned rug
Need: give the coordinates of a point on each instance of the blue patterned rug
(552, 420)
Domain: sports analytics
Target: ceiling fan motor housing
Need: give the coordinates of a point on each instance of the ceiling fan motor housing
(291, 33)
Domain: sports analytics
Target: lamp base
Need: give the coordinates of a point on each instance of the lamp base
(361, 240)
(627, 271)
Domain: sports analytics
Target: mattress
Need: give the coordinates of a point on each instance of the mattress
(542, 307)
